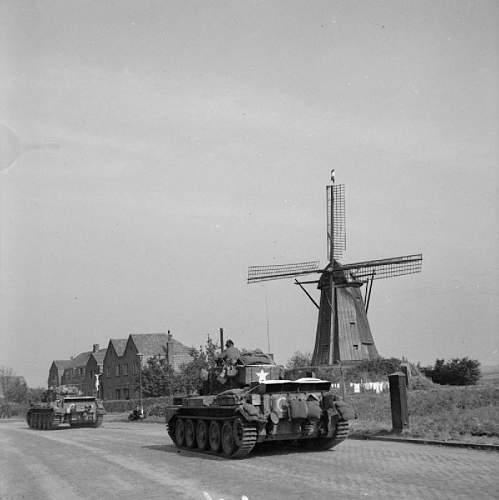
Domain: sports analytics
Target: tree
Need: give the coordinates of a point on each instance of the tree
(457, 371)
(160, 379)
(14, 387)
(299, 360)
(157, 378)
(194, 375)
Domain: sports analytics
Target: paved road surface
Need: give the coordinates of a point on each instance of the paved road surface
(122, 460)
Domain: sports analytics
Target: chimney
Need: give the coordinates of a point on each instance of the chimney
(95, 348)
(170, 336)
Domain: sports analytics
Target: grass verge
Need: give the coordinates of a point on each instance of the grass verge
(463, 414)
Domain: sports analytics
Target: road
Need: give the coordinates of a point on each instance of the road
(137, 460)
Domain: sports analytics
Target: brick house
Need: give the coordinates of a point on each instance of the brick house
(94, 368)
(121, 365)
(56, 371)
(109, 380)
(74, 374)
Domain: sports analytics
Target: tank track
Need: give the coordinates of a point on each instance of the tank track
(326, 443)
(46, 421)
(234, 439)
(42, 420)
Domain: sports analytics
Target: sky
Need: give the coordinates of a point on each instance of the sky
(151, 151)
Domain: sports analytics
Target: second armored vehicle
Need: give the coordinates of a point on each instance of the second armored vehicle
(65, 406)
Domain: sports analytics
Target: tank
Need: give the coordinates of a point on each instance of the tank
(65, 405)
(259, 406)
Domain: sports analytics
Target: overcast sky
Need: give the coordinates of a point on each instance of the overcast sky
(152, 150)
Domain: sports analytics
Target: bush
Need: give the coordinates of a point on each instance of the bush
(456, 372)
(299, 360)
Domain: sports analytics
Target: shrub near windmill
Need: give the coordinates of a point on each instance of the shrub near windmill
(343, 333)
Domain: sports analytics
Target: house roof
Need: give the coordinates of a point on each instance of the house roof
(81, 359)
(150, 343)
(99, 355)
(61, 364)
(118, 345)
(179, 348)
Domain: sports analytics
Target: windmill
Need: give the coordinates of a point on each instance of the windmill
(343, 332)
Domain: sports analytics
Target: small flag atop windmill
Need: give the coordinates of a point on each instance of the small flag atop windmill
(343, 331)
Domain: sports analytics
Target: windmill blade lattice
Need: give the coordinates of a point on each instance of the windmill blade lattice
(384, 268)
(277, 271)
(336, 221)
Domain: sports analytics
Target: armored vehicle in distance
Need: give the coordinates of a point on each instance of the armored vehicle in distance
(65, 405)
(260, 407)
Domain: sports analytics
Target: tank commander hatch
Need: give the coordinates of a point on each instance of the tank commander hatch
(230, 355)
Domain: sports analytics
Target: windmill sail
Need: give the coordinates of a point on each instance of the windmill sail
(336, 222)
(383, 268)
(278, 271)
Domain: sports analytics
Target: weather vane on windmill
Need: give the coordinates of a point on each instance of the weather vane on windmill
(343, 331)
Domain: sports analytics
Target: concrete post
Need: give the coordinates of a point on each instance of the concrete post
(398, 399)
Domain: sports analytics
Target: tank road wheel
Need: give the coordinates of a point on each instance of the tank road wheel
(170, 428)
(202, 435)
(244, 437)
(227, 439)
(190, 434)
(179, 432)
(214, 437)
(238, 431)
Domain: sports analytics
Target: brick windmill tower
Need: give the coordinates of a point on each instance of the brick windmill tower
(343, 332)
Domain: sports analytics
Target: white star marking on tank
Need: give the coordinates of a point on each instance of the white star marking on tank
(262, 376)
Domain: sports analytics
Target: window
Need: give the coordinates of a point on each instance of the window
(118, 393)
(125, 369)
(108, 371)
(117, 370)
(126, 393)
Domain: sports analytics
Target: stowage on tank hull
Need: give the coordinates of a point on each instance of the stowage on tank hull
(233, 422)
(79, 411)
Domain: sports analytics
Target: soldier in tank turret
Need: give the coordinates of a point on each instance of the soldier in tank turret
(230, 354)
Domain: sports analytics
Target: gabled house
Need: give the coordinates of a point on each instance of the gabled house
(110, 367)
(121, 370)
(74, 374)
(56, 371)
(92, 384)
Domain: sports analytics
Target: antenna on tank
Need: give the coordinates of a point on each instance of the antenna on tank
(267, 319)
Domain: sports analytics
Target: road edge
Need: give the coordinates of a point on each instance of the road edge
(455, 444)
